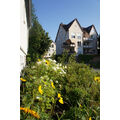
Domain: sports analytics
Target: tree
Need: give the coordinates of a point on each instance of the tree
(39, 41)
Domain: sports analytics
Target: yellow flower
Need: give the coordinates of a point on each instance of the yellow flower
(61, 100)
(40, 90)
(23, 80)
(47, 62)
(33, 113)
(38, 60)
(80, 105)
(90, 118)
(59, 95)
(21, 108)
(52, 85)
(97, 79)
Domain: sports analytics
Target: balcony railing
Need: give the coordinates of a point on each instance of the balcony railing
(71, 45)
(87, 46)
(87, 39)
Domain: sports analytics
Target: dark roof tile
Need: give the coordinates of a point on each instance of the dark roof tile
(66, 27)
(87, 29)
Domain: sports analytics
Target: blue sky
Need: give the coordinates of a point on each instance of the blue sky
(51, 13)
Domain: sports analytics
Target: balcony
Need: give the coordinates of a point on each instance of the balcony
(72, 45)
(87, 46)
(87, 39)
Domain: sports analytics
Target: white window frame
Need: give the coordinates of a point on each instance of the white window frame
(78, 36)
(72, 35)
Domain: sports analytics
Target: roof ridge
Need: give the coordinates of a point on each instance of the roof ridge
(88, 29)
(67, 26)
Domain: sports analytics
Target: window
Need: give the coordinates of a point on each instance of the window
(86, 43)
(52, 46)
(72, 35)
(79, 37)
(79, 43)
(92, 36)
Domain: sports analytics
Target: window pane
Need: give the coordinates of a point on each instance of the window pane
(79, 44)
(72, 35)
(79, 37)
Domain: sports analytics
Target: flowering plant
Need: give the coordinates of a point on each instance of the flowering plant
(54, 90)
(38, 91)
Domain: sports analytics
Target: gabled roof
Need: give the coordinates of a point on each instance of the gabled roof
(66, 27)
(88, 29)
(85, 30)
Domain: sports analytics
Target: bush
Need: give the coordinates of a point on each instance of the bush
(38, 91)
(92, 60)
(81, 91)
(52, 90)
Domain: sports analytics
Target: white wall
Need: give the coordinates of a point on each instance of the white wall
(94, 37)
(51, 50)
(62, 36)
(23, 34)
(93, 32)
(76, 30)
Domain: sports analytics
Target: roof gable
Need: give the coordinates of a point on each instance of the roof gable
(58, 31)
(94, 29)
(66, 27)
(87, 30)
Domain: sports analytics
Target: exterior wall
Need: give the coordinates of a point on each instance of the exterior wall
(24, 35)
(22, 60)
(93, 32)
(75, 28)
(94, 37)
(62, 36)
(51, 50)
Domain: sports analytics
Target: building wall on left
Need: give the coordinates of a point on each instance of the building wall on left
(24, 35)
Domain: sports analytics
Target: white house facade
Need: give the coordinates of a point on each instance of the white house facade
(76, 39)
(25, 20)
(51, 51)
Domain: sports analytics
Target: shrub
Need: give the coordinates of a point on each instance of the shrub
(38, 90)
(60, 91)
(92, 60)
(81, 91)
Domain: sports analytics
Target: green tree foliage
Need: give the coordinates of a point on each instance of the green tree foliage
(39, 41)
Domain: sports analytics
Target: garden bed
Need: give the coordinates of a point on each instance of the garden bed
(54, 91)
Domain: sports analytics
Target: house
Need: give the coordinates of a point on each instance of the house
(76, 39)
(25, 23)
(51, 51)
